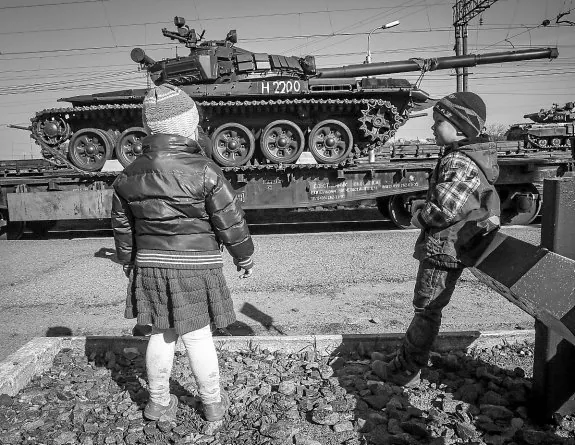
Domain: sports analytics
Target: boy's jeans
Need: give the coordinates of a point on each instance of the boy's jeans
(203, 361)
(433, 290)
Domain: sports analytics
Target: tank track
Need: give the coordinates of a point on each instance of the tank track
(234, 107)
(207, 103)
(533, 141)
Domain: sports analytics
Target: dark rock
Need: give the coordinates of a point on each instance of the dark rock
(494, 439)
(412, 411)
(493, 398)
(469, 393)
(415, 428)
(393, 427)
(466, 431)
(377, 402)
(533, 437)
(6, 400)
(402, 439)
(496, 412)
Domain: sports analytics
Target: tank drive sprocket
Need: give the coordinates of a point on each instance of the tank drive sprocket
(51, 130)
(379, 120)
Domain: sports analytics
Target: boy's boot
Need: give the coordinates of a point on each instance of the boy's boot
(155, 411)
(216, 411)
(394, 372)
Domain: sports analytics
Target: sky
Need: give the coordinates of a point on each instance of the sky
(52, 49)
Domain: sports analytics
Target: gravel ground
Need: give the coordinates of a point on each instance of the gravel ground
(478, 397)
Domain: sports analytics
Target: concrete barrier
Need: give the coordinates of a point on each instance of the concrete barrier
(36, 356)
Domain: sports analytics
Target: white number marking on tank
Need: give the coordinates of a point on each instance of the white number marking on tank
(281, 87)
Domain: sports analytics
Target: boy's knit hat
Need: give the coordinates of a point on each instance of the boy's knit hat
(465, 110)
(169, 110)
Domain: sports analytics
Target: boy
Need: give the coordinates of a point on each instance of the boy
(172, 211)
(461, 206)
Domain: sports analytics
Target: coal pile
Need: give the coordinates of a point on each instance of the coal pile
(277, 398)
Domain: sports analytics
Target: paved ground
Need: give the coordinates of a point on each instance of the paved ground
(353, 282)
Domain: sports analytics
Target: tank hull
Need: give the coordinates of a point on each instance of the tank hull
(543, 136)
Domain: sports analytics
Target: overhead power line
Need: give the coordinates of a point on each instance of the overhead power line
(51, 4)
(255, 39)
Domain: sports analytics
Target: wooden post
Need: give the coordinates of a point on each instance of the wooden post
(554, 361)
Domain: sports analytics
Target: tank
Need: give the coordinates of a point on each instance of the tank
(551, 129)
(257, 108)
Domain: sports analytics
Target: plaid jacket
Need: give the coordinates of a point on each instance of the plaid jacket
(461, 203)
(455, 179)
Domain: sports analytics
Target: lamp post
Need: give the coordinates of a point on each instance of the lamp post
(386, 26)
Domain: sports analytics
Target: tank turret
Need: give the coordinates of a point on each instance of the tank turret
(565, 113)
(257, 108)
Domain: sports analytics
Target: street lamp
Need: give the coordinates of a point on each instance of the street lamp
(386, 26)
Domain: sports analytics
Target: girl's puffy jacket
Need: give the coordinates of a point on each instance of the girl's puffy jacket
(174, 198)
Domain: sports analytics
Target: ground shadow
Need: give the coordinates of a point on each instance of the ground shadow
(462, 398)
(107, 253)
(237, 329)
(249, 310)
(58, 331)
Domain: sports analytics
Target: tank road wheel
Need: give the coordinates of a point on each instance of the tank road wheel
(520, 204)
(542, 142)
(282, 142)
(402, 207)
(89, 148)
(233, 145)
(330, 142)
(129, 145)
(379, 120)
(556, 142)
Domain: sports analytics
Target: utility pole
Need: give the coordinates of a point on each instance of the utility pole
(463, 12)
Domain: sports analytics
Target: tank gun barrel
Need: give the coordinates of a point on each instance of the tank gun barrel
(138, 55)
(440, 63)
(19, 127)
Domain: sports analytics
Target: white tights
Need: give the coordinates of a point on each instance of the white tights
(203, 361)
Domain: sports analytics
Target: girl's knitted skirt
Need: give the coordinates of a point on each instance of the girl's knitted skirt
(184, 299)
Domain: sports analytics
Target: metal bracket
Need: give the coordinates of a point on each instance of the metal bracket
(53, 186)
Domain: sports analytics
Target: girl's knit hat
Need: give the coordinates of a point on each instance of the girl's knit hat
(465, 110)
(168, 110)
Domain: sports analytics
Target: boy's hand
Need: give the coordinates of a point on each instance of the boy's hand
(415, 220)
